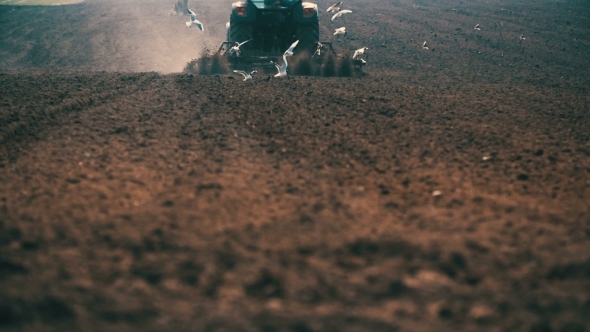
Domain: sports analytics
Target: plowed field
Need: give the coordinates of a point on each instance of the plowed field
(446, 190)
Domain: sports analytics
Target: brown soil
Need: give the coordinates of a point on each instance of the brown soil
(447, 190)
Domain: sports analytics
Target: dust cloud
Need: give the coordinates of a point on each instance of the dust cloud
(123, 36)
(151, 36)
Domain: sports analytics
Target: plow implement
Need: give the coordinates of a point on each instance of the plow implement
(324, 62)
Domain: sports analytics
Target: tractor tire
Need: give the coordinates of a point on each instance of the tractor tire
(308, 36)
(240, 32)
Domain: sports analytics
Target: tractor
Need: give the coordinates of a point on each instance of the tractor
(265, 29)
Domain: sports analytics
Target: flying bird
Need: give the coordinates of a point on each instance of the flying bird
(340, 13)
(424, 46)
(476, 27)
(247, 76)
(358, 52)
(235, 50)
(194, 21)
(334, 8)
(282, 70)
(340, 31)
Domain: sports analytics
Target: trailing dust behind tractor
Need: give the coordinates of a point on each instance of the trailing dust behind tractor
(265, 29)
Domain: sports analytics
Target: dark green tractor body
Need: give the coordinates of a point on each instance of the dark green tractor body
(273, 25)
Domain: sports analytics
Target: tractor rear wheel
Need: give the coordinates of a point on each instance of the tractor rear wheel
(308, 36)
(240, 32)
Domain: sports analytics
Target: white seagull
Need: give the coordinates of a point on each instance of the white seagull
(194, 21)
(247, 76)
(424, 46)
(340, 13)
(282, 70)
(340, 31)
(476, 27)
(358, 52)
(235, 50)
(334, 8)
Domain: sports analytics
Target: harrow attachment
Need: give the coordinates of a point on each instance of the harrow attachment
(324, 62)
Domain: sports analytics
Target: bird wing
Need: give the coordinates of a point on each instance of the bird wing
(200, 25)
(285, 64)
(292, 47)
(346, 11)
(336, 15)
(278, 67)
(356, 53)
(334, 6)
(244, 42)
(191, 12)
(243, 73)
